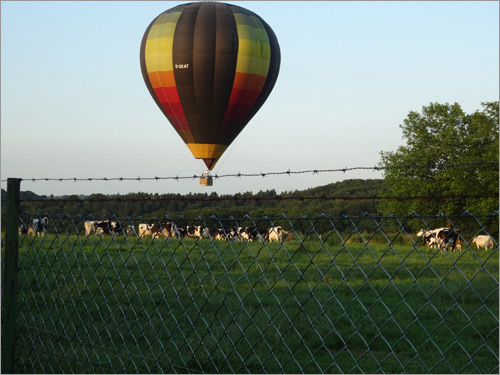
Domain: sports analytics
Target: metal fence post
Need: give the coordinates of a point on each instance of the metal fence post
(9, 295)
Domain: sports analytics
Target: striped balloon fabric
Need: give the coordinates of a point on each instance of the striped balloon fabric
(209, 67)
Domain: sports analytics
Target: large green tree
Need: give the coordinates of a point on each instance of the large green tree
(449, 155)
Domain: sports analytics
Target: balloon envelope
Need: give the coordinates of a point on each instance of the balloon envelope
(209, 67)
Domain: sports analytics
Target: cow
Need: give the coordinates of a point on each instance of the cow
(244, 234)
(429, 237)
(219, 234)
(161, 230)
(38, 227)
(23, 228)
(194, 231)
(449, 237)
(107, 227)
(144, 230)
(116, 227)
(90, 227)
(170, 230)
(131, 230)
(260, 234)
(231, 235)
(213, 234)
(181, 232)
(483, 241)
(102, 227)
(275, 234)
(157, 230)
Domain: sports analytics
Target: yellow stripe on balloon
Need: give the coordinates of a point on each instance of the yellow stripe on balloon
(256, 49)
(256, 34)
(158, 54)
(252, 65)
(206, 151)
(158, 49)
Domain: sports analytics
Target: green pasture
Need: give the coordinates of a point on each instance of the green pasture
(156, 306)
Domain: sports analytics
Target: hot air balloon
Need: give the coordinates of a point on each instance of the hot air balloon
(209, 67)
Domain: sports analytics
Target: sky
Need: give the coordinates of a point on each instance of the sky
(74, 103)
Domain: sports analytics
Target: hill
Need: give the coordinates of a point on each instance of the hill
(334, 199)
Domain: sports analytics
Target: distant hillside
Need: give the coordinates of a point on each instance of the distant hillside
(264, 203)
(24, 195)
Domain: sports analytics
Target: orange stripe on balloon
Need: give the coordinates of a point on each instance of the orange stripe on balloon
(162, 79)
(246, 81)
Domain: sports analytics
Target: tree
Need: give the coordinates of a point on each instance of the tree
(449, 155)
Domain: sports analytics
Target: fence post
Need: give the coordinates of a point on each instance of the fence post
(9, 295)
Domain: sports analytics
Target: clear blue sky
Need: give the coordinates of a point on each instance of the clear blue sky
(74, 104)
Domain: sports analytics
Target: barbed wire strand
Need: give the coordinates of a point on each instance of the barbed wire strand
(260, 174)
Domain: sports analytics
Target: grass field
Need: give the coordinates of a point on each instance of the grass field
(211, 307)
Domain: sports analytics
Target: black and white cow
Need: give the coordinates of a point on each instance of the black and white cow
(244, 234)
(441, 238)
(131, 230)
(107, 227)
(219, 234)
(449, 238)
(167, 230)
(259, 234)
(429, 237)
(38, 227)
(194, 231)
(23, 228)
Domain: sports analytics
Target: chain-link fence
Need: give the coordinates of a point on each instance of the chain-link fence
(367, 294)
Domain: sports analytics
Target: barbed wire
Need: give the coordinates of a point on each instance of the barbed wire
(260, 174)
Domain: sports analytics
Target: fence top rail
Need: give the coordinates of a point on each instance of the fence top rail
(283, 197)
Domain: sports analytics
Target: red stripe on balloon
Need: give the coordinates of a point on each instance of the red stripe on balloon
(176, 115)
(240, 104)
(167, 94)
(171, 103)
(235, 112)
(242, 96)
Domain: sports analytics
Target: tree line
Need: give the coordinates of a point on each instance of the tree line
(449, 155)
(268, 203)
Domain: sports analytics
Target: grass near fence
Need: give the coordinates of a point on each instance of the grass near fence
(128, 305)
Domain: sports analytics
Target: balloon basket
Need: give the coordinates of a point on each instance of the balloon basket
(206, 179)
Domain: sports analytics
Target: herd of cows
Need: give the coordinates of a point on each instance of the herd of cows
(170, 230)
(447, 238)
(443, 238)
